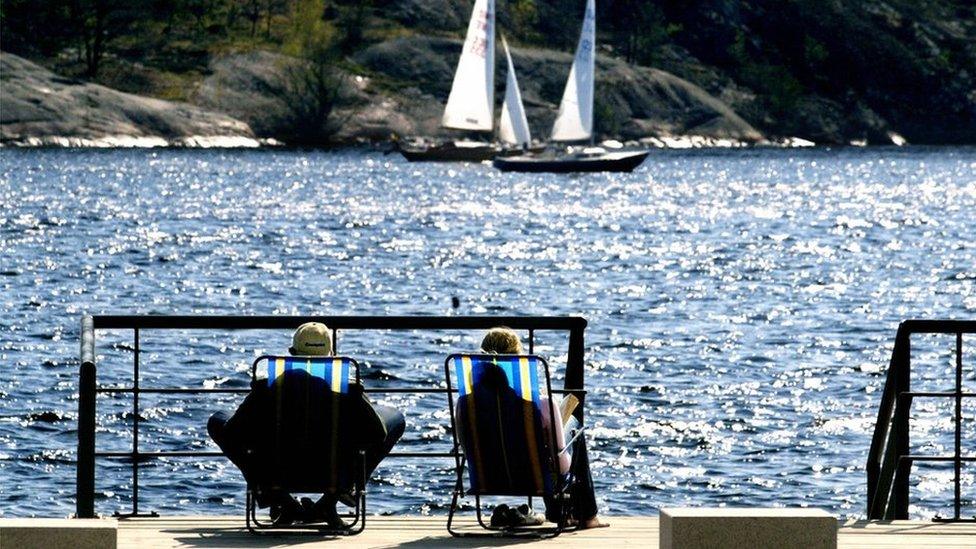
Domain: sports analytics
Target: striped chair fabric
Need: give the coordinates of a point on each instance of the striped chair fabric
(505, 446)
(308, 442)
(334, 370)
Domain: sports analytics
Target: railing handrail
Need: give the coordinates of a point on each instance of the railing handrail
(885, 410)
(88, 388)
(885, 457)
(277, 322)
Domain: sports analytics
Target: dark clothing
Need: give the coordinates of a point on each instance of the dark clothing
(503, 454)
(299, 436)
(581, 493)
(503, 439)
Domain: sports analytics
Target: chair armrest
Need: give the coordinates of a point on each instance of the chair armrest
(570, 442)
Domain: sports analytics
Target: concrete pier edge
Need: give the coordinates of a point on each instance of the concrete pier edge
(50, 533)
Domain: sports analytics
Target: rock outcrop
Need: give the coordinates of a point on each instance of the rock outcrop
(399, 91)
(405, 82)
(631, 102)
(38, 107)
(253, 87)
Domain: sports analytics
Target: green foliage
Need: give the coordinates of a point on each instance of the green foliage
(34, 28)
(814, 52)
(524, 17)
(608, 118)
(779, 89)
(636, 29)
(309, 34)
(313, 81)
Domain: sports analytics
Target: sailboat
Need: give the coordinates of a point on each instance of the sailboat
(471, 104)
(574, 122)
(513, 128)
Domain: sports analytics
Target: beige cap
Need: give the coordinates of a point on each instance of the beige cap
(312, 338)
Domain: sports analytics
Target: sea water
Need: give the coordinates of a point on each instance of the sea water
(741, 304)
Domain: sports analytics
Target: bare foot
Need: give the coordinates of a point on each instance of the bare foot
(594, 522)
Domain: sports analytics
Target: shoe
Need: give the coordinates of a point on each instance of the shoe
(523, 515)
(322, 511)
(501, 517)
(347, 499)
(286, 512)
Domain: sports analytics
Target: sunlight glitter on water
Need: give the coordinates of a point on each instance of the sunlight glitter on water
(741, 306)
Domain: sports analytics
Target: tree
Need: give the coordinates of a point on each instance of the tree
(636, 28)
(96, 22)
(28, 27)
(313, 80)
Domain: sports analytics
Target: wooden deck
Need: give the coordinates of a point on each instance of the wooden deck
(431, 532)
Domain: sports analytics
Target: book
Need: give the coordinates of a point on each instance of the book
(567, 407)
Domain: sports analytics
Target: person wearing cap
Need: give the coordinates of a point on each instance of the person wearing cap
(311, 339)
(241, 436)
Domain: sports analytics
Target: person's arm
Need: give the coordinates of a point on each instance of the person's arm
(564, 458)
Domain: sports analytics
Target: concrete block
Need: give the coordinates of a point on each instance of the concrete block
(726, 528)
(42, 533)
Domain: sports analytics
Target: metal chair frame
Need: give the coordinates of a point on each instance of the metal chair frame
(358, 515)
(560, 493)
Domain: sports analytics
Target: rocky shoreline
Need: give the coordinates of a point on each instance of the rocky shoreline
(242, 104)
(41, 108)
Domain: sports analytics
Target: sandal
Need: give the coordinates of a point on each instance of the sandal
(523, 515)
(500, 516)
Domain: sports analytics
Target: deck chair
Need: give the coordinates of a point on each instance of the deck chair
(499, 436)
(308, 450)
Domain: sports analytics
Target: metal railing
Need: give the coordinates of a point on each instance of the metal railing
(890, 459)
(88, 388)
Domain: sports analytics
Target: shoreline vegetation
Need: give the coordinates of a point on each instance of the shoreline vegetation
(317, 73)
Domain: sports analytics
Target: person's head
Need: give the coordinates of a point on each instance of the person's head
(502, 341)
(311, 338)
(490, 377)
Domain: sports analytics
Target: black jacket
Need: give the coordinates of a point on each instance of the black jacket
(299, 436)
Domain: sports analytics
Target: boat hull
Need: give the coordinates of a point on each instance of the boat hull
(449, 153)
(617, 162)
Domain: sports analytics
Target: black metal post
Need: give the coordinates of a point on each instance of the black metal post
(575, 364)
(85, 480)
(958, 454)
(900, 428)
(135, 422)
(890, 462)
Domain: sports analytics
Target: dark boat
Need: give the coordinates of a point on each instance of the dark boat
(586, 161)
(461, 151)
(451, 151)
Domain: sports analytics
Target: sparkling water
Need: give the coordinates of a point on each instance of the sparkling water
(741, 304)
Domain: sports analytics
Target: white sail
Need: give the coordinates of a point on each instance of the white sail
(514, 128)
(472, 99)
(575, 119)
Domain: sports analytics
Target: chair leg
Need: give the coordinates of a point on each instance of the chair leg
(481, 520)
(536, 533)
(248, 502)
(357, 526)
(352, 530)
(458, 488)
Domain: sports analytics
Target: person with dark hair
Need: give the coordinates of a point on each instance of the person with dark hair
(251, 437)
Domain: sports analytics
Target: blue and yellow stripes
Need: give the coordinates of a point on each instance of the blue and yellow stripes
(522, 373)
(334, 370)
(521, 426)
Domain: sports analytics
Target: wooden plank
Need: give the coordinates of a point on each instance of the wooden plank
(388, 532)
